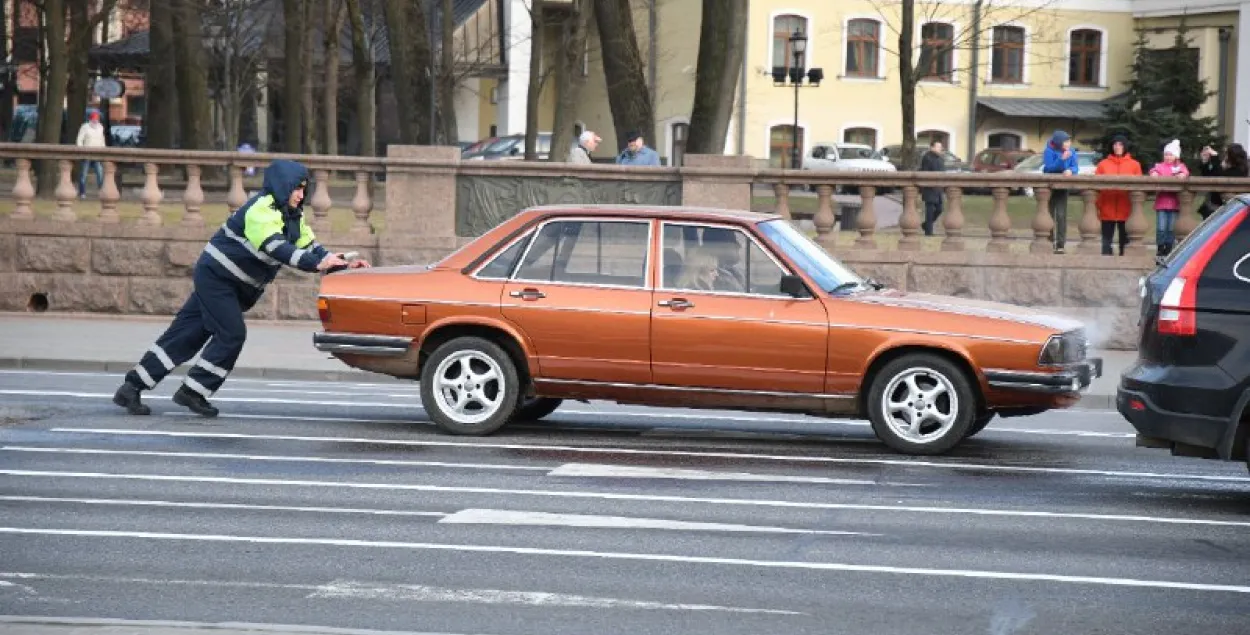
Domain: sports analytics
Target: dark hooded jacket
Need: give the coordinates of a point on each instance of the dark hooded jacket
(265, 233)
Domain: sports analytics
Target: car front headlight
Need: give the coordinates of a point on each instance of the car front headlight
(1052, 351)
(1063, 348)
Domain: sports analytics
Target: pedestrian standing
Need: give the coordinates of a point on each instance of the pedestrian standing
(1114, 206)
(932, 161)
(1168, 202)
(1232, 165)
(91, 135)
(586, 144)
(238, 262)
(636, 152)
(1060, 158)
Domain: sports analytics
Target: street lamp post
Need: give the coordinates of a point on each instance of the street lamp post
(795, 74)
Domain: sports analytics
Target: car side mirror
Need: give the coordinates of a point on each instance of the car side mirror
(793, 286)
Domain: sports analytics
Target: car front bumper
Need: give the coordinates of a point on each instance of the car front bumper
(1072, 378)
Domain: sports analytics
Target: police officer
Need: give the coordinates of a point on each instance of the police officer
(238, 262)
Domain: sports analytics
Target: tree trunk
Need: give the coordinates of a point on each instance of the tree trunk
(535, 90)
(293, 80)
(569, 78)
(79, 46)
(307, 104)
(907, 77)
(720, 63)
(330, 104)
(192, 79)
(362, 64)
(160, 118)
(447, 93)
(53, 105)
(6, 92)
(628, 96)
(410, 69)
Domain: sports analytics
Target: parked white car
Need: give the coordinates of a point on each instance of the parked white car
(828, 156)
(1087, 162)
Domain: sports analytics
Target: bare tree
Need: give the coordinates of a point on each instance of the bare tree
(628, 95)
(52, 104)
(721, 56)
(365, 77)
(192, 78)
(160, 119)
(83, 22)
(533, 93)
(308, 106)
(569, 80)
(933, 59)
(236, 50)
(330, 103)
(447, 74)
(293, 76)
(410, 69)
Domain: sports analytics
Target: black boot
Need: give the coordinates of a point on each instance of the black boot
(195, 402)
(129, 397)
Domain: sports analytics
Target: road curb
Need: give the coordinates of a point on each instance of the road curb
(1088, 401)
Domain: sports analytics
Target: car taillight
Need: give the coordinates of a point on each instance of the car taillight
(323, 310)
(1179, 305)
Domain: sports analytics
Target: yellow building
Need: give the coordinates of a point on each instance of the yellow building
(1033, 66)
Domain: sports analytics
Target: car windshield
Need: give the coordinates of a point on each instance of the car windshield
(853, 152)
(810, 257)
(502, 145)
(1032, 163)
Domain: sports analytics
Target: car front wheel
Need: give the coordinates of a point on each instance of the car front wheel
(469, 386)
(535, 408)
(921, 404)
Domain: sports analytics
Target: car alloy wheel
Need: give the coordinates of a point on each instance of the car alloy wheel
(921, 404)
(469, 386)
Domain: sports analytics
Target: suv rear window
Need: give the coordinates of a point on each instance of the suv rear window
(1203, 231)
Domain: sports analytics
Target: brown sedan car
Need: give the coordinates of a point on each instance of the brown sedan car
(692, 308)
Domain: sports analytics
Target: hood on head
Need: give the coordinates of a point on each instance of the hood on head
(283, 177)
(1057, 139)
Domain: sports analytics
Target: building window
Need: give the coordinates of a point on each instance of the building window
(926, 138)
(1007, 59)
(784, 27)
(1006, 141)
(937, 51)
(678, 133)
(1085, 58)
(781, 146)
(864, 136)
(863, 45)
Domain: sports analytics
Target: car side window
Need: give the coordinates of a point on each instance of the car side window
(589, 252)
(706, 258)
(501, 265)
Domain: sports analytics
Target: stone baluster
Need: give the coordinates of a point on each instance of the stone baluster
(1185, 223)
(1043, 224)
(65, 194)
(1091, 227)
(362, 204)
(781, 192)
(237, 196)
(1000, 223)
(867, 218)
(909, 222)
(825, 218)
(193, 198)
(954, 219)
(23, 192)
(1136, 225)
(151, 195)
(109, 195)
(321, 201)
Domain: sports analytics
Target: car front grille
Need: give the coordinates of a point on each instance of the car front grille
(1075, 346)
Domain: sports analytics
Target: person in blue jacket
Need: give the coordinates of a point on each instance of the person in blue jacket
(239, 261)
(1060, 158)
(636, 152)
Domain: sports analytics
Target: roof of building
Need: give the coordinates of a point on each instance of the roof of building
(1085, 109)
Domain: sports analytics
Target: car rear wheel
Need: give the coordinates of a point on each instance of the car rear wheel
(921, 404)
(469, 386)
(535, 408)
(979, 423)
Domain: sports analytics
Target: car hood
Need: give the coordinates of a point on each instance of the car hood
(969, 307)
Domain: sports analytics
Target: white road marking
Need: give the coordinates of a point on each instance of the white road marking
(221, 398)
(420, 593)
(595, 470)
(640, 557)
(238, 506)
(136, 626)
(748, 502)
(12, 586)
(269, 457)
(743, 456)
(545, 519)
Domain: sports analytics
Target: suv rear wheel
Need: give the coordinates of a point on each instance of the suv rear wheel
(921, 404)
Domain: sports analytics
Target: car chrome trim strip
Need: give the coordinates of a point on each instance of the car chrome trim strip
(371, 298)
(730, 318)
(375, 345)
(573, 308)
(895, 329)
(729, 391)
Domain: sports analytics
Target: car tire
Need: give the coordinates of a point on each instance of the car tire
(979, 423)
(927, 387)
(467, 372)
(535, 408)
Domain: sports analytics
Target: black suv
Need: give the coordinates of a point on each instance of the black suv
(1189, 390)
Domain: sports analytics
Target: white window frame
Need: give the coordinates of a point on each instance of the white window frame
(809, 32)
(951, 139)
(768, 137)
(867, 126)
(1024, 70)
(1024, 138)
(1102, 59)
(954, 80)
(881, 52)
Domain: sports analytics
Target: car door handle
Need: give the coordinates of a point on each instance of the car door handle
(677, 303)
(528, 294)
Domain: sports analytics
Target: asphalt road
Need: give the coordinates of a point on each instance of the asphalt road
(338, 505)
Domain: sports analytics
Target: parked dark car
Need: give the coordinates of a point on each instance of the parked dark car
(1189, 390)
(997, 160)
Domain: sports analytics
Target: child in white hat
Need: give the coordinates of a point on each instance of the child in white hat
(1168, 203)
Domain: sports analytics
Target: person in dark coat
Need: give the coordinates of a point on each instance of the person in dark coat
(933, 161)
(1232, 165)
(239, 261)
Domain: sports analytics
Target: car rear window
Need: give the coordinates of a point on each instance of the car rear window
(1203, 232)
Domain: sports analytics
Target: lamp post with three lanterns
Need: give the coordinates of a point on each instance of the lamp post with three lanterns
(795, 74)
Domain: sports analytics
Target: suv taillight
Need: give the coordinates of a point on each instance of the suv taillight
(1179, 305)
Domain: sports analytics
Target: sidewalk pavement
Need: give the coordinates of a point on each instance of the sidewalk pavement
(35, 625)
(274, 350)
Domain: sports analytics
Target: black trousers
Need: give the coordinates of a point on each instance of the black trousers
(212, 315)
(1059, 213)
(1109, 228)
(932, 210)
